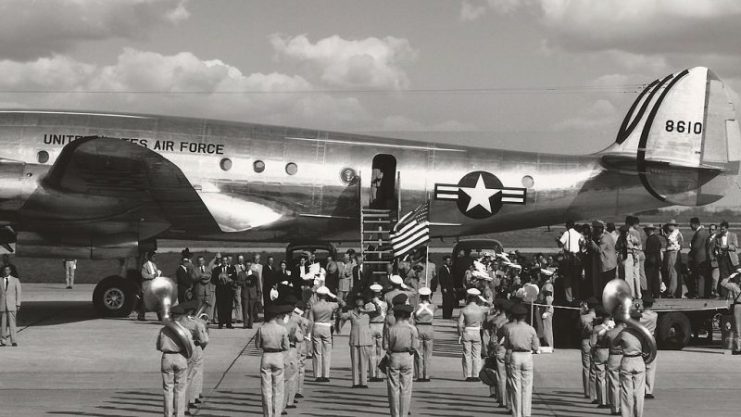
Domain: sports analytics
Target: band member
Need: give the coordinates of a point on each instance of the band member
(272, 339)
(649, 320)
(174, 367)
(295, 389)
(149, 272)
(522, 340)
(397, 287)
(600, 354)
(199, 334)
(377, 318)
(632, 372)
(321, 315)
(613, 368)
(360, 340)
(423, 316)
(586, 324)
(501, 319)
(731, 285)
(401, 343)
(471, 318)
(295, 338)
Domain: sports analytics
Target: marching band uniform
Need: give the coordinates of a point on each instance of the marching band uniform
(588, 376)
(199, 333)
(649, 320)
(632, 374)
(321, 315)
(423, 317)
(500, 321)
(400, 344)
(613, 368)
(295, 338)
(377, 320)
(522, 340)
(272, 339)
(471, 318)
(174, 367)
(600, 354)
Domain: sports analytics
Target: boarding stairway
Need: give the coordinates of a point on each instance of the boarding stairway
(375, 241)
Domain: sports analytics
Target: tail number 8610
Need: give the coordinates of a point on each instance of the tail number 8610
(682, 126)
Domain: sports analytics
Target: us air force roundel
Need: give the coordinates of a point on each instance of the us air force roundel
(480, 194)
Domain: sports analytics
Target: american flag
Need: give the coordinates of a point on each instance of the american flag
(412, 230)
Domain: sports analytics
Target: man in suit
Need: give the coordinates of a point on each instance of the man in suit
(268, 270)
(221, 278)
(725, 245)
(361, 276)
(604, 257)
(10, 304)
(184, 279)
(447, 286)
(257, 272)
(332, 280)
(699, 262)
(203, 289)
(250, 294)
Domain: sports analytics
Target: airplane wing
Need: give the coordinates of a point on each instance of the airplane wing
(108, 185)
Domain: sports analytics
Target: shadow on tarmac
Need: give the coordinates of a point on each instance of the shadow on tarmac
(49, 313)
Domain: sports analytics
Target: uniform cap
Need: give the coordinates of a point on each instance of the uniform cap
(403, 308)
(635, 314)
(519, 310)
(399, 299)
(323, 290)
(598, 223)
(473, 291)
(185, 308)
(424, 291)
(376, 288)
(395, 279)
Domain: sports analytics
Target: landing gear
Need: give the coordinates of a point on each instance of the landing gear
(115, 297)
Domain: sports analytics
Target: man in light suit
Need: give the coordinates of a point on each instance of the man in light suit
(724, 246)
(10, 304)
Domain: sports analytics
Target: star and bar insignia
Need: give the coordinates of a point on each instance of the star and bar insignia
(480, 194)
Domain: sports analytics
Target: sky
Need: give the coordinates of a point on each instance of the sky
(537, 75)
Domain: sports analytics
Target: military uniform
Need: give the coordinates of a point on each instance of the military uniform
(649, 320)
(272, 339)
(632, 375)
(174, 367)
(295, 339)
(401, 343)
(588, 376)
(470, 320)
(360, 344)
(321, 316)
(196, 361)
(613, 368)
(302, 348)
(521, 339)
(500, 351)
(600, 355)
(545, 313)
(377, 321)
(423, 316)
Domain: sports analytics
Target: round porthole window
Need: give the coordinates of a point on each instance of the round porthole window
(528, 181)
(259, 166)
(42, 157)
(226, 164)
(291, 168)
(347, 175)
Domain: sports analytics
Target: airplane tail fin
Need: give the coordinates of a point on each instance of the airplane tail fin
(681, 138)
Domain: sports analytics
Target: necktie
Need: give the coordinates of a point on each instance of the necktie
(6, 283)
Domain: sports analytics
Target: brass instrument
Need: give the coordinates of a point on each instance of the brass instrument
(617, 301)
(158, 294)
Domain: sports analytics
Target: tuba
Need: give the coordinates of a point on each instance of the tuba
(617, 301)
(158, 295)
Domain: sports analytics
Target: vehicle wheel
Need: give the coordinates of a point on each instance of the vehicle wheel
(673, 331)
(114, 297)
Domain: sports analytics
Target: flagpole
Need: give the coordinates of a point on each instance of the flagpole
(427, 264)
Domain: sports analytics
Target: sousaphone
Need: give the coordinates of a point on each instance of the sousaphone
(158, 295)
(617, 300)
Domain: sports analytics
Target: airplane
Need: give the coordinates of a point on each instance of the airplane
(103, 185)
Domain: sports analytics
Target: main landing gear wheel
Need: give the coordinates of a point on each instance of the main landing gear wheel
(114, 297)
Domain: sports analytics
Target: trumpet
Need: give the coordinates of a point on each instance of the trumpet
(617, 301)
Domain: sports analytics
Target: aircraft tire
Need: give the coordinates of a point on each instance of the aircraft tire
(114, 297)
(674, 330)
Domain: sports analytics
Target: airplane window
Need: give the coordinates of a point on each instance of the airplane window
(528, 181)
(259, 166)
(43, 157)
(226, 164)
(291, 168)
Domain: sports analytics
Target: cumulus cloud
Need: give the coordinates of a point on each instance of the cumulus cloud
(366, 63)
(472, 11)
(32, 29)
(181, 84)
(682, 26)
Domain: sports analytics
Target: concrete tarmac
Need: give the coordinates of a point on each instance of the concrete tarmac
(71, 363)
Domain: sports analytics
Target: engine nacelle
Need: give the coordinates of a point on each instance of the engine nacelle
(37, 246)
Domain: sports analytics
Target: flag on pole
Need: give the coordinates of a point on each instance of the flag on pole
(411, 231)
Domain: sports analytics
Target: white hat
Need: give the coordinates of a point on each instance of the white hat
(298, 311)
(323, 290)
(473, 291)
(395, 279)
(424, 291)
(376, 288)
(546, 272)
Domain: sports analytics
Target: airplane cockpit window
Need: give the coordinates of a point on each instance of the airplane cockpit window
(43, 157)
(291, 168)
(226, 164)
(258, 166)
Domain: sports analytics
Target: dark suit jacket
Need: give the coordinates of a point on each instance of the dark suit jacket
(184, 277)
(361, 280)
(699, 247)
(732, 246)
(444, 275)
